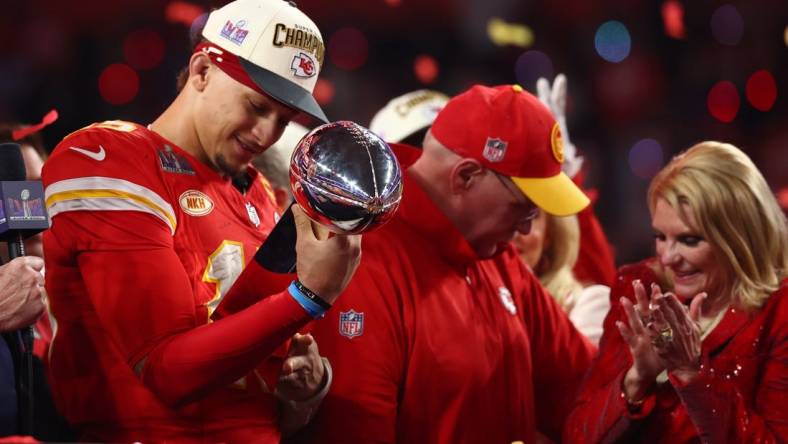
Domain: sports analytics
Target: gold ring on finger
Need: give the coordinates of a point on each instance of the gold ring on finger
(664, 337)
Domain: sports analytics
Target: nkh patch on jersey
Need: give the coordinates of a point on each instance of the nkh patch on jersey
(351, 323)
(195, 203)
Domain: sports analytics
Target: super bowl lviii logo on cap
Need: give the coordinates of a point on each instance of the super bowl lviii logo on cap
(235, 32)
(494, 149)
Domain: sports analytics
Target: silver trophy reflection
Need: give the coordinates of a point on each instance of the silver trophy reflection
(345, 178)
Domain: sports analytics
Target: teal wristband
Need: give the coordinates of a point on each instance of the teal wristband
(314, 310)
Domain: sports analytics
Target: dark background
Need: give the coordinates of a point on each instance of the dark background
(53, 53)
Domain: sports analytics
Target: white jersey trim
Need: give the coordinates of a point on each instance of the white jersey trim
(96, 193)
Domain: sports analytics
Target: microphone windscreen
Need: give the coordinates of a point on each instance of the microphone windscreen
(12, 164)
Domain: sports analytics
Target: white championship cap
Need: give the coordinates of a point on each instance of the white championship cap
(407, 114)
(278, 47)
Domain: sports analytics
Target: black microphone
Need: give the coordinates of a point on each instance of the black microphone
(22, 214)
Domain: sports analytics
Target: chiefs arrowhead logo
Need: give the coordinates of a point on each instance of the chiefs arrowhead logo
(303, 65)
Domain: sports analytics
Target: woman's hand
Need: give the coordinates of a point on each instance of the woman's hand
(676, 335)
(646, 363)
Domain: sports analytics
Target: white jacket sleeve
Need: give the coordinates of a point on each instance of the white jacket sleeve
(589, 311)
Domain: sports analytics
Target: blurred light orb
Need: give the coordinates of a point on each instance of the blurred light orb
(530, 66)
(426, 68)
(785, 36)
(723, 101)
(118, 84)
(393, 3)
(502, 33)
(782, 198)
(727, 25)
(673, 19)
(761, 90)
(324, 91)
(645, 158)
(348, 48)
(612, 41)
(182, 12)
(143, 49)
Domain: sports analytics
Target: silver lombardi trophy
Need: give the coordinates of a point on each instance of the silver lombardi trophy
(345, 178)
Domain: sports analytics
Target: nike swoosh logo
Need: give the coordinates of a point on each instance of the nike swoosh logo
(95, 155)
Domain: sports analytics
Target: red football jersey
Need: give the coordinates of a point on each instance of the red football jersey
(117, 187)
(431, 345)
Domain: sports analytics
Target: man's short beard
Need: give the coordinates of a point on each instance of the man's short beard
(226, 170)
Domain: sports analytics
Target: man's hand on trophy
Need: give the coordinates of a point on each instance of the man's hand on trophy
(325, 261)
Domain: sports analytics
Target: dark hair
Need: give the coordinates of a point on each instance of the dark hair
(416, 139)
(195, 38)
(35, 140)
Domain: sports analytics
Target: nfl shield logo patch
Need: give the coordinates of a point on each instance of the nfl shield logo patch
(351, 323)
(252, 212)
(494, 149)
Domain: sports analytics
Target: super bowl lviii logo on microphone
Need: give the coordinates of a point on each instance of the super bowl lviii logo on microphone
(22, 209)
(25, 207)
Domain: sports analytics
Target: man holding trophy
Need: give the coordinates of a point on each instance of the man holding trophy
(150, 227)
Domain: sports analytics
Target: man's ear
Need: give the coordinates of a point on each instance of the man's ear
(465, 175)
(199, 65)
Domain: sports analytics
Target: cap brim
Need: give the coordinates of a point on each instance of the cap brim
(284, 90)
(556, 195)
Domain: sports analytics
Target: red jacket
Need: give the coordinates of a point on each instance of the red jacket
(741, 395)
(430, 344)
(595, 263)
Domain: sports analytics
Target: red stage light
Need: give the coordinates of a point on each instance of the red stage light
(118, 84)
(723, 101)
(673, 19)
(761, 90)
(348, 48)
(782, 198)
(143, 49)
(182, 12)
(324, 91)
(426, 69)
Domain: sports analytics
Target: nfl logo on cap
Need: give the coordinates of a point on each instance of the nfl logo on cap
(351, 324)
(494, 149)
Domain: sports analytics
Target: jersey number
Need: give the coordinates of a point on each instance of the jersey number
(224, 266)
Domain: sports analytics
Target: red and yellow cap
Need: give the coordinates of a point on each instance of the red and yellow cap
(511, 132)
